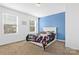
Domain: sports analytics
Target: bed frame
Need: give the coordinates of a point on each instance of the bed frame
(46, 29)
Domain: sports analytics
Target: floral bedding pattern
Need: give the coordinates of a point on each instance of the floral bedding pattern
(40, 38)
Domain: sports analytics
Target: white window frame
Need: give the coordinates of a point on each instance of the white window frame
(35, 25)
(3, 23)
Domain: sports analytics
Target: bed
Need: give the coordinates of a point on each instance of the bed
(43, 39)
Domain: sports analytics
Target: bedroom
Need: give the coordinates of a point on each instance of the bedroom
(20, 19)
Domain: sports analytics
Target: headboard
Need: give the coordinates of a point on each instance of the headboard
(53, 29)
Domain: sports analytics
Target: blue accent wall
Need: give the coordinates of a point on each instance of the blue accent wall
(56, 20)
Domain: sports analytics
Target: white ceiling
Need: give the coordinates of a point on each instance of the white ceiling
(45, 9)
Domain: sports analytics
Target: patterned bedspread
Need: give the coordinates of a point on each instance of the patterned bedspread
(44, 38)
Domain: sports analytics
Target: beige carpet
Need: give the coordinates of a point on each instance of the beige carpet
(27, 48)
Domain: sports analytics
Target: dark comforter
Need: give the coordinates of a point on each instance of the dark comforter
(40, 39)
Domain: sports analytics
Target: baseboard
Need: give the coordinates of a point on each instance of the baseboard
(11, 43)
(60, 40)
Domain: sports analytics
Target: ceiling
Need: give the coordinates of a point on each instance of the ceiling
(44, 9)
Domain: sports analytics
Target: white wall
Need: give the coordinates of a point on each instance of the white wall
(72, 26)
(23, 30)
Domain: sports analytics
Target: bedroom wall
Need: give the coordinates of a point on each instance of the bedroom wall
(23, 30)
(56, 20)
(72, 26)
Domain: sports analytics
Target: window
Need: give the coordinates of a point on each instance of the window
(32, 26)
(10, 23)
